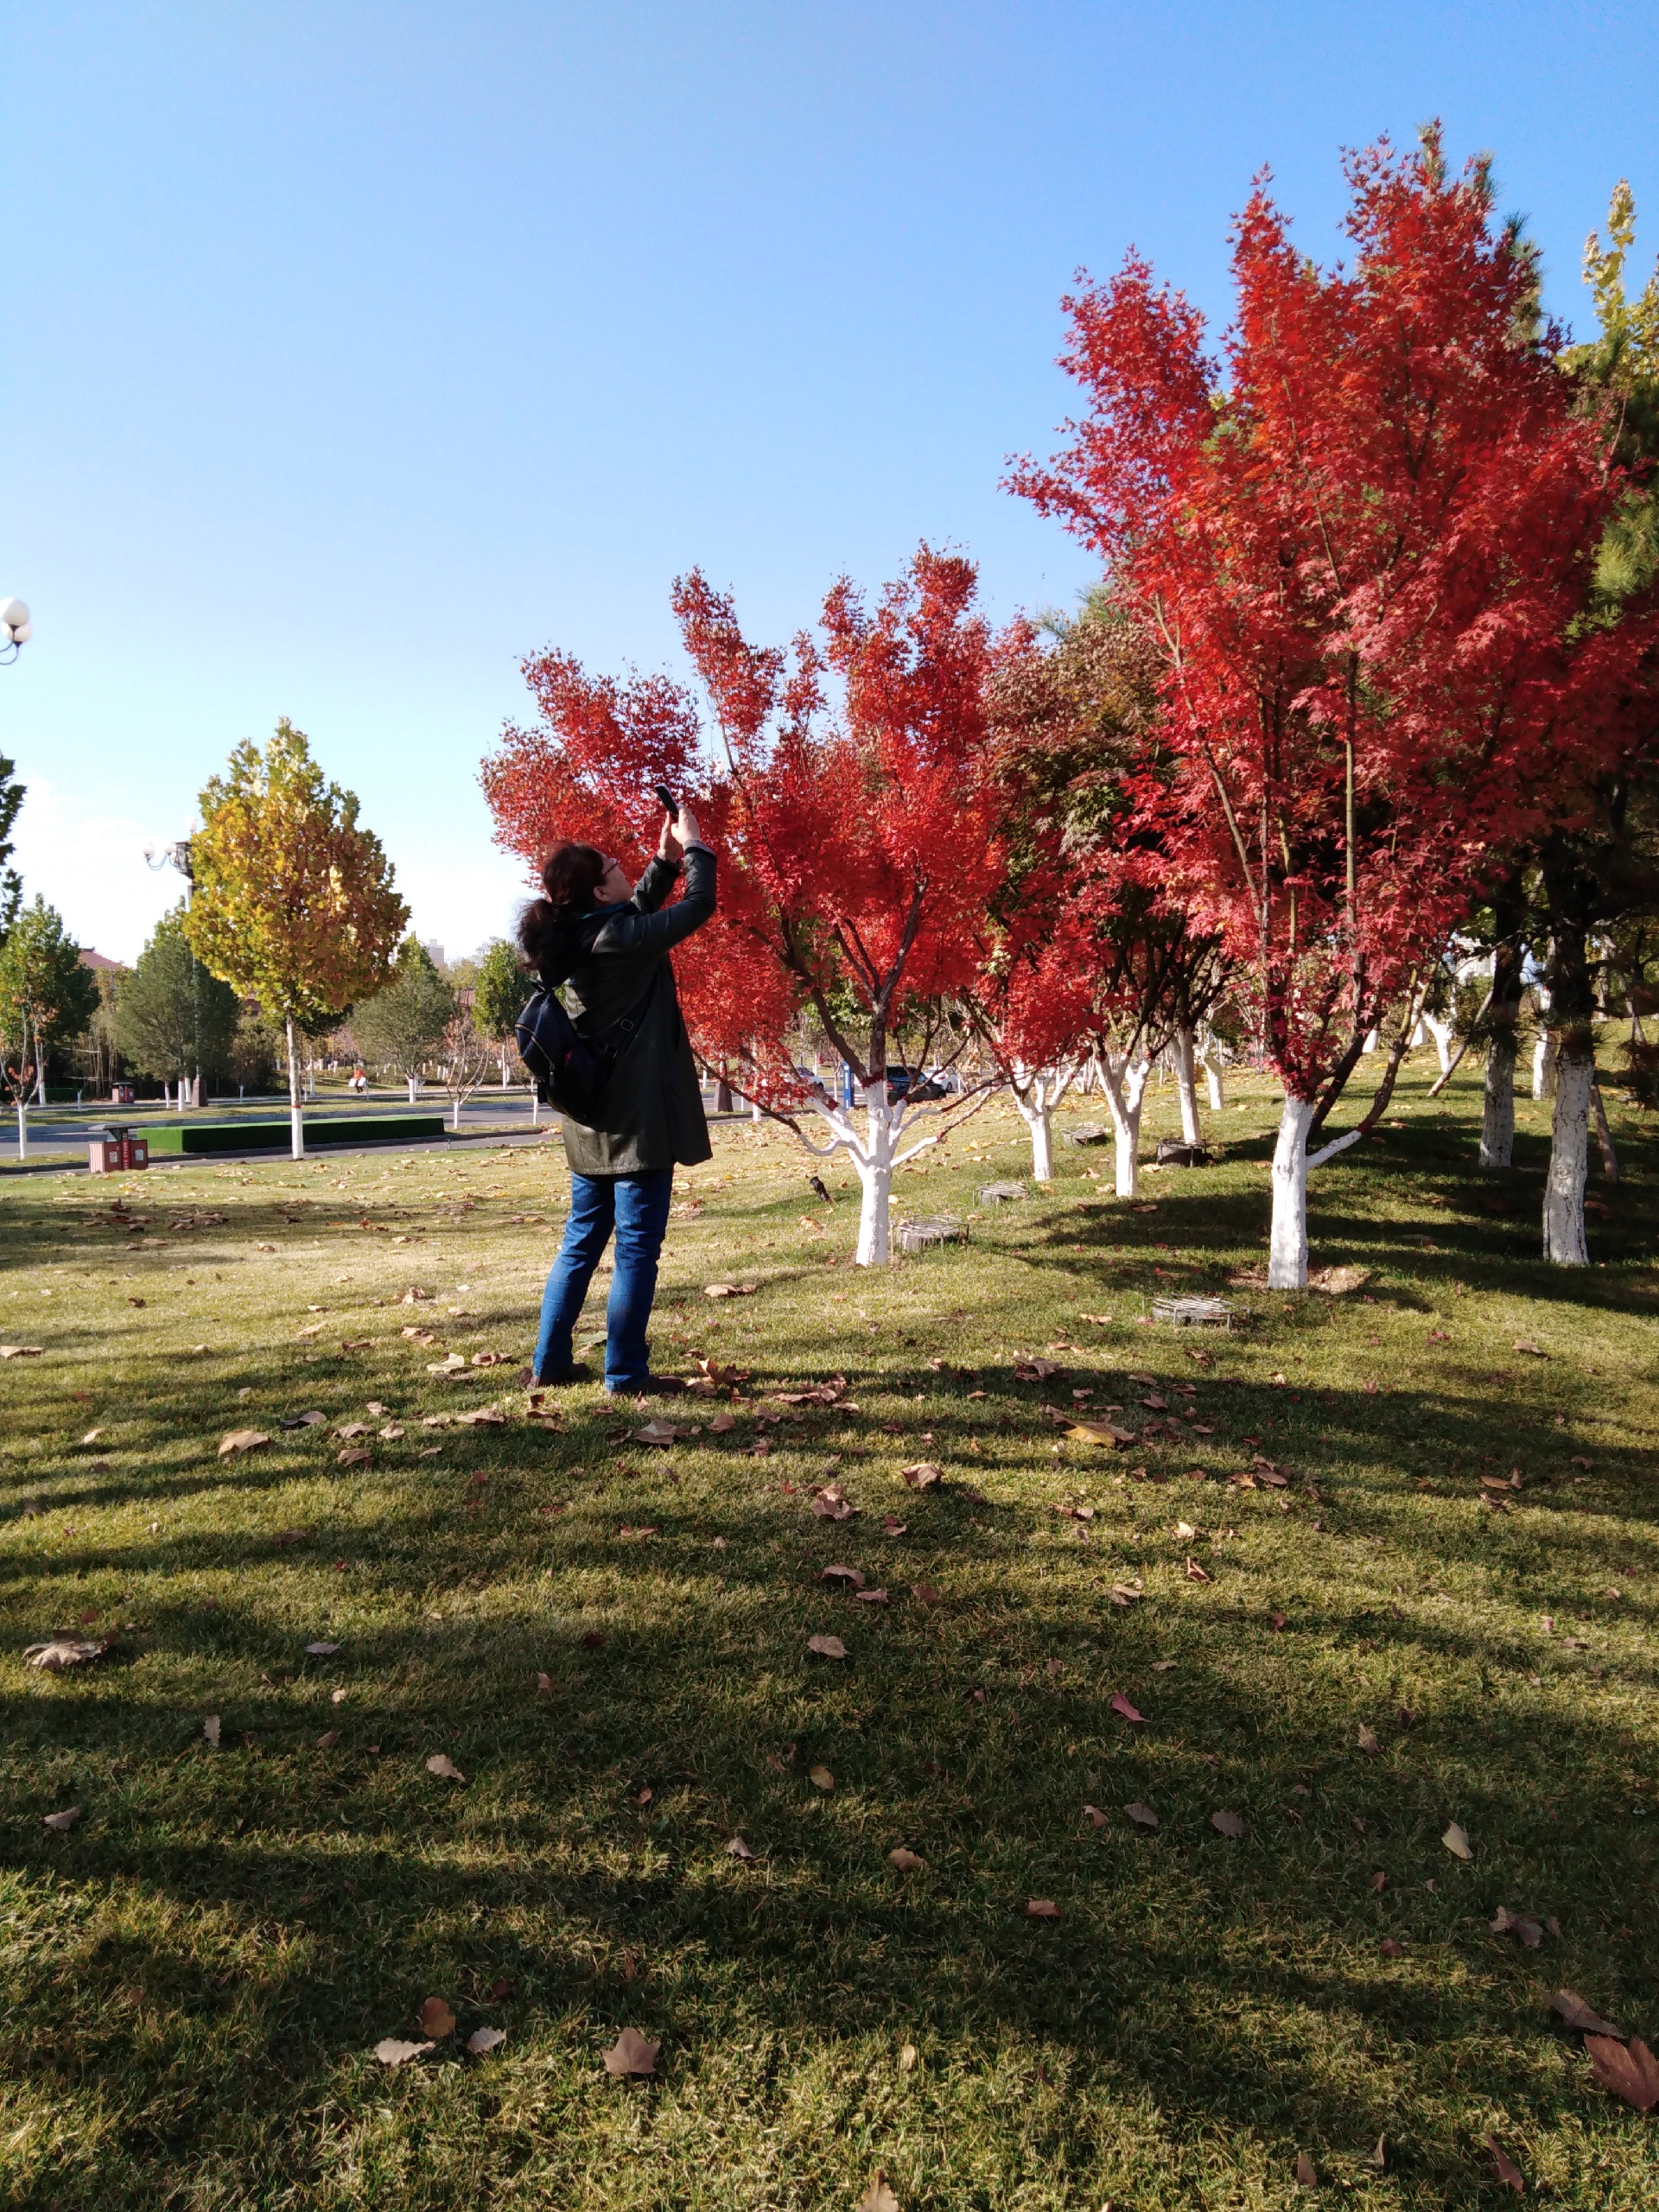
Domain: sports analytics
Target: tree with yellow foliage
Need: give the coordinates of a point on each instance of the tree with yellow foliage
(294, 904)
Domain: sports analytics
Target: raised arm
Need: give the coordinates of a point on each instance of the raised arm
(648, 926)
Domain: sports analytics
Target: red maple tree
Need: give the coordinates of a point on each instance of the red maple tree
(1363, 543)
(859, 848)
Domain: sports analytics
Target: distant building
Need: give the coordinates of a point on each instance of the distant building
(434, 951)
(99, 961)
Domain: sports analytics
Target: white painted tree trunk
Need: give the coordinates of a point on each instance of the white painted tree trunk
(295, 1103)
(1441, 1032)
(503, 1067)
(1370, 1046)
(1543, 1066)
(1036, 1095)
(1287, 1247)
(1186, 1085)
(1569, 1142)
(1497, 1106)
(414, 1083)
(22, 1128)
(876, 1175)
(1126, 1090)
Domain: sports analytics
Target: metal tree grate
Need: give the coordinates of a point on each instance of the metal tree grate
(1194, 1312)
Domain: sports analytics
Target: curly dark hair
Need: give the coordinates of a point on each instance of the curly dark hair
(571, 875)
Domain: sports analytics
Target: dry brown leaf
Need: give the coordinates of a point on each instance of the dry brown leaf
(1505, 1922)
(829, 1504)
(1307, 2174)
(328, 1738)
(827, 1647)
(243, 1440)
(877, 2197)
(730, 1289)
(869, 1596)
(21, 1351)
(1142, 1815)
(924, 1593)
(1508, 2172)
(1124, 1710)
(1368, 1741)
(1537, 1351)
(1577, 2014)
(1099, 1432)
(820, 1777)
(1456, 1842)
(356, 1455)
(390, 2052)
(1379, 1881)
(1042, 1908)
(631, 2054)
(738, 1849)
(721, 1425)
(485, 2039)
(839, 1574)
(657, 1431)
(906, 1861)
(65, 1652)
(63, 1822)
(1630, 2073)
(436, 2019)
(1390, 1948)
(210, 1729)
(1095, 1817)
(1121, 1594)
(1225, 1823)
(444, 1767)
(923, 1474)
(1195, 1573)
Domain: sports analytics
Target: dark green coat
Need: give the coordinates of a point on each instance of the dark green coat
(653, 1108)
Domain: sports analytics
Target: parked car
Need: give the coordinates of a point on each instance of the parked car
(912, 1084)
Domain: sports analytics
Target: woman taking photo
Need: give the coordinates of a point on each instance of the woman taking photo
(610, 944)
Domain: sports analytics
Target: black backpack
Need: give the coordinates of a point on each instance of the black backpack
(571, 1072)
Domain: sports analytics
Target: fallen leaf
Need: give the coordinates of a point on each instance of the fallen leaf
(61, 1821)
(906, 1861)
(1227, 1824)
(1042, 1908)
(1095, 1817)
(320, 1650)
(877, 2197)
(829, 1504)
(730, 1289)
(1505, 1922)
(908, 2055)
(923, 1474)
(243, 1440)
(1379, 1882)
(738, 1849)
(443, 1766)
(64, 1651)
(328, 1738)
(1508, 2172)
(1536, 1350)
(483, 2039)
(1456, 1842)
(631, 2054)
(393, 1433)
(1368, 1741)
(1142, 1815)
(1099, 1432)
(1631, 2073)
(1379, 2157)
(210, 1729)
(721, 1425)
(820, 1777)
(1121, 1594)
(390, 2052)
(1577, 2014)
(827, 1647)
(21, 1351)
(436, 2019)
(1122, 1706)
(1307, 2174)
(848, 1575)
(1390, 1948)
(356, 1455)
(1195, 1573)
(869, 1596)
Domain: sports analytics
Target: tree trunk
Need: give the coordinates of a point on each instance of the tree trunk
(1187, 1084)
(1498, 1107)
(503, 1067)
(1569, 1146)
(1288, 1248)
(414, 1083)
(722, 1094)
(1126, 1092)
(455, 1117)
(295, 1105)
(1543, 1067)
(875, 1174)
(1213, 1073)
(22, 1128)
(1039, 1118)
(1441, 1032)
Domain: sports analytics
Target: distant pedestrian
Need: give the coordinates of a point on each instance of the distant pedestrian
(609, 943)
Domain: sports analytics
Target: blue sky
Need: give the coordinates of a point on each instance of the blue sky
(351, 351)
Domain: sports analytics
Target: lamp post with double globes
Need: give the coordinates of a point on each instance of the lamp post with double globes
(14, 628)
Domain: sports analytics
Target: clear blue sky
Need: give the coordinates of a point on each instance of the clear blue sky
(352, 351)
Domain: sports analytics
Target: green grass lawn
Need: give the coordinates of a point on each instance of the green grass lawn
(196, 1973)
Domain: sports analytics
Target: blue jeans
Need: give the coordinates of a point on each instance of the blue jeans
(636, 1207)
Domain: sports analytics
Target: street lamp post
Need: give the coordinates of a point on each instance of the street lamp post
(178, 855)
(16, 630)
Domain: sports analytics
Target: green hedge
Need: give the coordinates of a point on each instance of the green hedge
(273, 1136)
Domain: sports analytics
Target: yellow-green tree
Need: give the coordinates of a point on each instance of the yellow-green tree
(294, 904)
